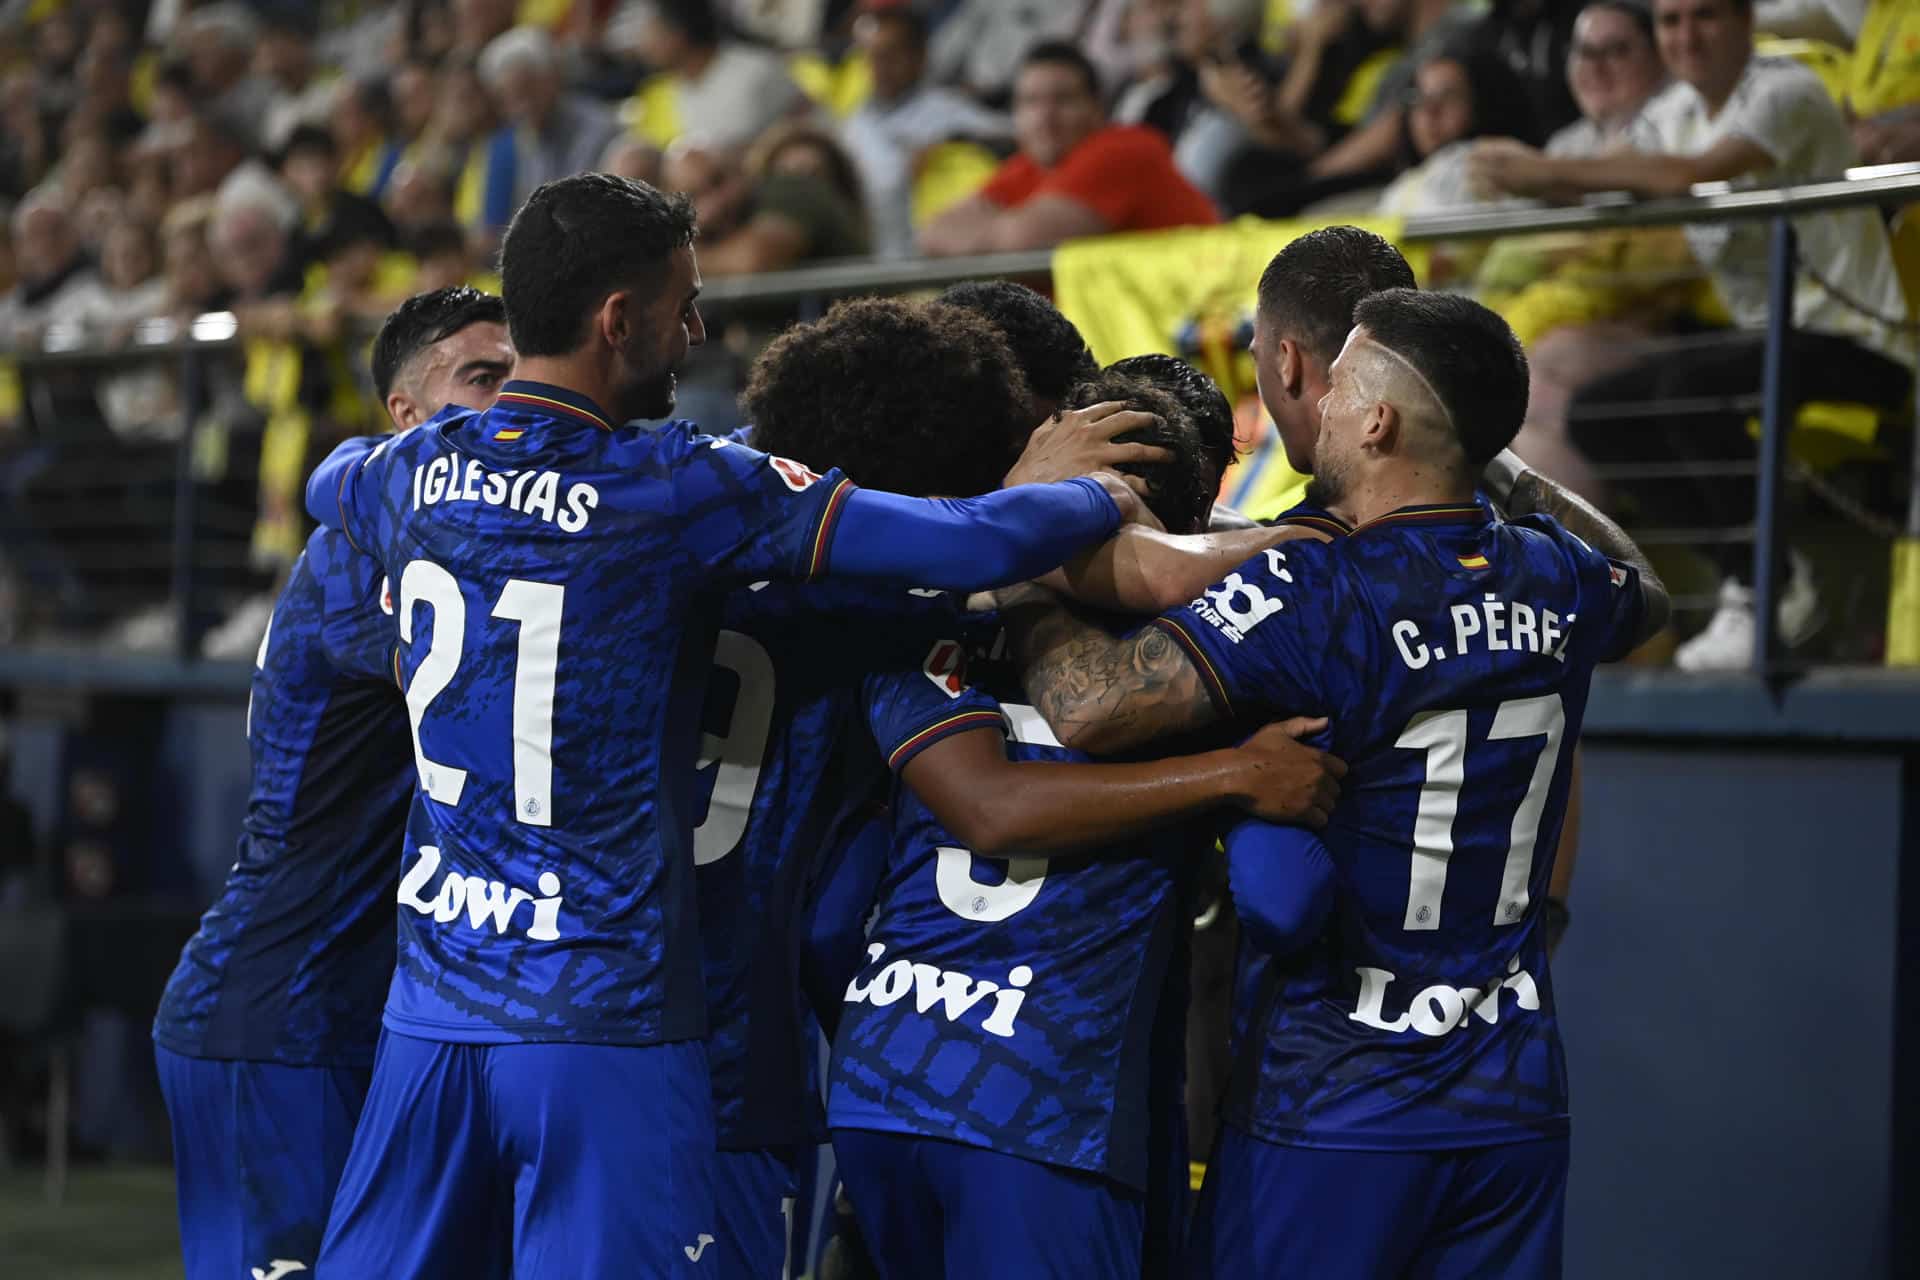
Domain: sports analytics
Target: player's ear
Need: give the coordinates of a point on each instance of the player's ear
(404, 412)
(1383, 427)
(615, 319)
(1293, 368)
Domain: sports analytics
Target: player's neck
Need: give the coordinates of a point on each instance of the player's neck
(1382, 495)
(577, 372)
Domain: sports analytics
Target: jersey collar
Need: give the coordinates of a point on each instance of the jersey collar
(543, 397)
(1470, 513)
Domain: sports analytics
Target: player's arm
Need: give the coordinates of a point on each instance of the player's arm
(971, 544)
(1282, 883)
(1141, 570)
(996, 806)
(1102, 693)
(1523, 491)
(978, 225)
(333, 490)
(1555, 914)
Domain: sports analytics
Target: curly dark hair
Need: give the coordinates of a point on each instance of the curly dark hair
(1206, 404)
(1050, 351)
(915, 398)
(1179, 492)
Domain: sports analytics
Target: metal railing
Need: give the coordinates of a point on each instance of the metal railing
(193, 342)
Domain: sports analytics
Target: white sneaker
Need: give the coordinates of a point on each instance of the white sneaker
(1727, 642)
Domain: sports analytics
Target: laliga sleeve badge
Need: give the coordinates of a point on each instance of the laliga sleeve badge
(796, 477)
(946, 666)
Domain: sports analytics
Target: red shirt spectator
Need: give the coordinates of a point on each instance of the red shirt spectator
(1076, 175)
(1123, 172)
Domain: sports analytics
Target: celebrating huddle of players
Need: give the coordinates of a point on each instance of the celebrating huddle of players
(897, 713)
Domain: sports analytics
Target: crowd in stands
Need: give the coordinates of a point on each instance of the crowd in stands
(305, 166)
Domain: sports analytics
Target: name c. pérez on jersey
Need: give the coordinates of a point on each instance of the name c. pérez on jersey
(531, 493)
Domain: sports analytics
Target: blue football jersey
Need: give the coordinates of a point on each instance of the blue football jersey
(1008, 1003)
(291, 963)
(785, 758)
(558, 583)
(1453, 654)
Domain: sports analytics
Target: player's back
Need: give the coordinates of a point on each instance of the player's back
(1007, 1003)
(291, 963)
(784, 759)
(558, 586)
(1453, 655)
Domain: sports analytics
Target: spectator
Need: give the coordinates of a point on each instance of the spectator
(478, 23)
(982, 42)
(106, 95)
(193, 280)
(414, 90)
(1613, 71)
(1075, 175)
(1883, 84)
(128, 287)
(797, 201)
(635, 158)
(556, 132)
(442, 256)
(310, 170)
(726, 91)
(906, 114)
(358, 119)
(253, 238)
(1533, 38)
(420, 194)
(217, 42)
(53, 273)
(1734, 115)
(1458, 95)
(1374, 151)
(297, 94)
(206, 149)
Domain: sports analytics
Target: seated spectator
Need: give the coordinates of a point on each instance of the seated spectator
(1369, 154)
(299, 93)
(253, 236)
(1075, 174)
(1458, 95)
(362, 131)
(1733, 115)
(556, 132)
(127, 289)
(217, 42)
(53, 273)
(797, 200)
(906, 114)
(204, 150)
(420, 194)
(310, 169)
(981, 43)
(726, 91)
(1883, 84)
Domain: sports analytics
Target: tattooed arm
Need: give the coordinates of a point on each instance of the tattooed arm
(1523, 491)
(1102, 693)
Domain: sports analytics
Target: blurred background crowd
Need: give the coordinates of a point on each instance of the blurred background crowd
(296, 169)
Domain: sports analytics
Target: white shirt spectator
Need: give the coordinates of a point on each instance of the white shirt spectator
(884, 138)
(1782, 108)
(743, 90)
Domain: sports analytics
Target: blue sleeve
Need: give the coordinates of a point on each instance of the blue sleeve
(843, 897)
(359, 633)
(909, 711)
(970, 544)
(1259, 636)
(335, 495)
(1282, 883)
(1612, 603)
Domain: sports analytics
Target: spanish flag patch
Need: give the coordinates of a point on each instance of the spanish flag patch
(509, 433)
(1475, 561)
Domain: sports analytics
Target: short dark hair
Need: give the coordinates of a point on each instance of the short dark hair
(1310, 289)
(914, 398)
(1049, 350)
(307, 137)
(693, 19)
(907, 18)
(1063, 53)
(1639, 11)
(576, 240)
(1207, 407)
(1466, 353)
(424, 319)
(1177, 490)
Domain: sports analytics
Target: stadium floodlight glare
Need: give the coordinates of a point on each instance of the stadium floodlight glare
(214, 326)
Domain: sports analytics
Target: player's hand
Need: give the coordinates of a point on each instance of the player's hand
(1288, 781)
(1080, 442)
(1127, 494)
